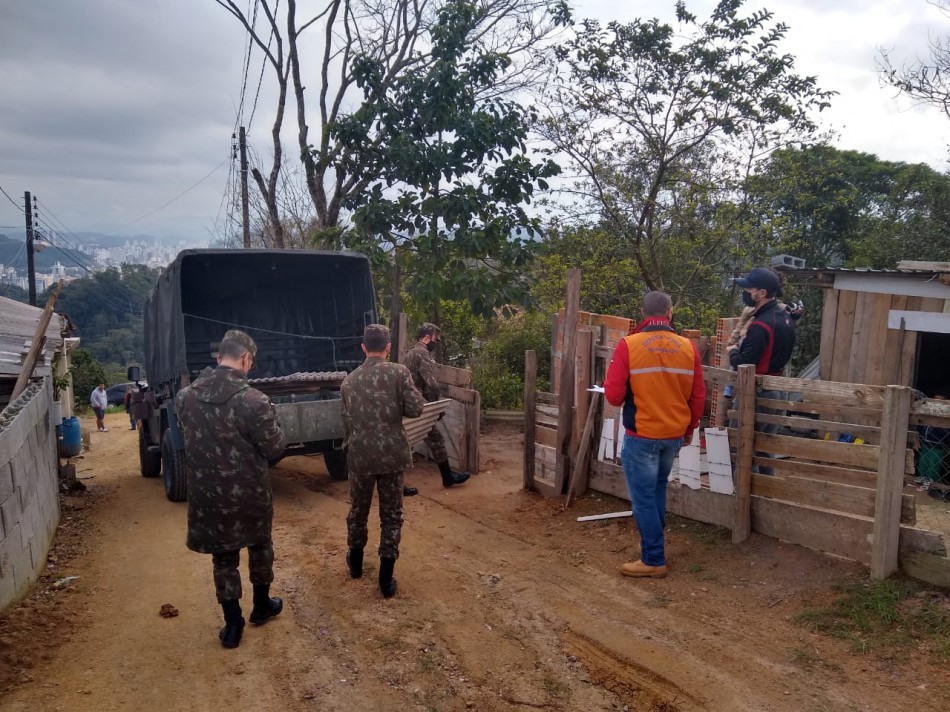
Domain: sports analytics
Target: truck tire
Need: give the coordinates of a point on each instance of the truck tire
(149, 462)
(173, 470)
(335, 461)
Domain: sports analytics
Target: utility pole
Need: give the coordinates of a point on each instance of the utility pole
(30, 270)
(242, 143)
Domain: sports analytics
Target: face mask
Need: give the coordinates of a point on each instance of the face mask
(432, 345)
(747, 299)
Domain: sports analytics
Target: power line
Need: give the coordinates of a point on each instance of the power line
(260, 79)
(180, 195)
(12, 201)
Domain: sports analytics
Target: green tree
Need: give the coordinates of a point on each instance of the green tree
(663, 124)
(87, 373)
(450, 174)
(835, 208)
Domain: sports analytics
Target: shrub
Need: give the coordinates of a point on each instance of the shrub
(498, 373)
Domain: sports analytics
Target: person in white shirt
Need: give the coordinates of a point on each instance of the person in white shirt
(99, 403)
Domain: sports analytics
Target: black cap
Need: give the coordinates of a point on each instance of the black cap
(761, 278)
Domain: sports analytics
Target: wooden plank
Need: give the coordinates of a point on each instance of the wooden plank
(924, 266)
(473, 412)
(833, 453)
(860, 338)
(789, 467)
(825, 495)
(852, 394)
(892, 352)
(546, 420)
(907, 343)
(843, 334)
(450, 375)
(919, 321)
(566, 380)
(531, 419)
(719, 376)
(546, 398)
(745, 391)
(579, 472)
(545, 436)
(870, 433)
(932, 407)
(829, 318)
(890, 482)
(583, 379)
(544, 409)
(929, 568)
(462, 395)
(825, 410)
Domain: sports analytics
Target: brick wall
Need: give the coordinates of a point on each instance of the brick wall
(29, 490)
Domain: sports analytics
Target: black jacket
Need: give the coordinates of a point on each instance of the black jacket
(769, 341)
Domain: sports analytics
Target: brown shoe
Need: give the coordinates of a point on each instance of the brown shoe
(641, 570)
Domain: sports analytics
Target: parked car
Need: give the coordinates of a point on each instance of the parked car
(115, 395)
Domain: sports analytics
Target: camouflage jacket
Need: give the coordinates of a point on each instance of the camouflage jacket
(422, 367)
(231, 432)
(376, 396)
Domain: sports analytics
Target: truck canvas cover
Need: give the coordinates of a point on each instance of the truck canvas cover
(306, 310)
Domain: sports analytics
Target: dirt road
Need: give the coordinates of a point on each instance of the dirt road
(505, 603)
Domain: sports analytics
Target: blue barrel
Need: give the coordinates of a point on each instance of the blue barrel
(69, 442)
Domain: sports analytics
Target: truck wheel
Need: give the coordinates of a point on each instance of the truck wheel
(335, 461)
(149, 462)
(173, 470)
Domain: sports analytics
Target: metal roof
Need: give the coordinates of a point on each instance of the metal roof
(18, 323)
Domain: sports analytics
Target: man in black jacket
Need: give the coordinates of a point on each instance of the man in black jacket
(770, 338)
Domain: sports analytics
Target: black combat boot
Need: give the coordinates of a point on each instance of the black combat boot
(265, 607)
(387, 584)
(409, 491)
(354, 560)
(450, 477)
(230, 635)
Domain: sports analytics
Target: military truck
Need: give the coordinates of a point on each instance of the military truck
(305, 309)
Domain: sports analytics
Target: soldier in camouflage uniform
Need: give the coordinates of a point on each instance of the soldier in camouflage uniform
(231, 433)
(421, 366)
(376, 397)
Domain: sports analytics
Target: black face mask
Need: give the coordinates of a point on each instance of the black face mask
(747, 299)
(432, 345)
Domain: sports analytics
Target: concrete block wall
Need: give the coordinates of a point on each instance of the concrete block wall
(29, 490)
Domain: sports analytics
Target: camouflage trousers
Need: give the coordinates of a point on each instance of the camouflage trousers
(390, 511)
(436, 444)
(227, 577)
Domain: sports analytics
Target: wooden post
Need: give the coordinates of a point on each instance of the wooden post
(474, 421)
(745, 391)
(565, 401)
(583, 378)
(402, 326)
(578, 483)
(530, 416)
(39, 336)
(890, 481)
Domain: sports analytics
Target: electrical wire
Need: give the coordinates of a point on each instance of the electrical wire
(180, 195)
(260, 79)
(12, 201)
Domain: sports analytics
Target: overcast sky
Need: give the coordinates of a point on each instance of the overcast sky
(109, 109)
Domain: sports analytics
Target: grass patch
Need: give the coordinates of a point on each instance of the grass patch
(885, 617)
(553, 686)
(802, 657)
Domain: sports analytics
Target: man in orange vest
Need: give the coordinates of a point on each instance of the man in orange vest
(657, 377)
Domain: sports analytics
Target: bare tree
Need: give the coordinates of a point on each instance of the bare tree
(393, 33)
(925, 82)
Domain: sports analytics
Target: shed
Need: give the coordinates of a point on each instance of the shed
(884, 326)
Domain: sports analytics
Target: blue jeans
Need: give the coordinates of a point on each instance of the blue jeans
(646, 465)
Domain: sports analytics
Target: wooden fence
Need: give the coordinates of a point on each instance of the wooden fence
(841, 454)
